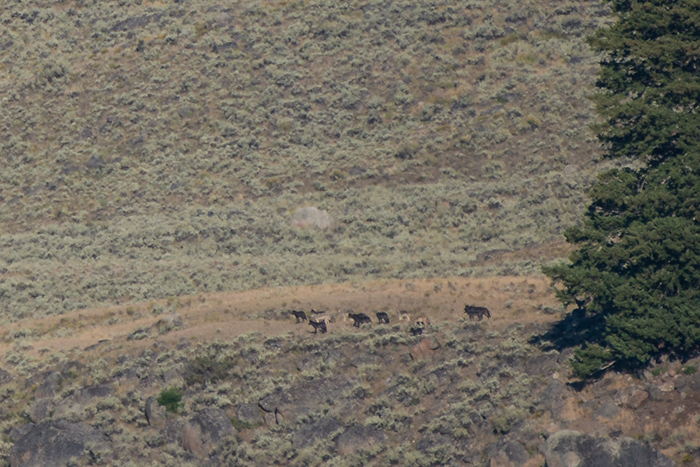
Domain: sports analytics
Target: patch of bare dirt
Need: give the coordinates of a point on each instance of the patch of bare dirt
(226, 315)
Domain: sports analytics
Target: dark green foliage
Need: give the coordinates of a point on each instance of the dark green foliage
(589, 360)
(650, 79)
(637, 267)
(170, 399)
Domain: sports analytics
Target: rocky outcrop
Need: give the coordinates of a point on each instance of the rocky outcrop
(424, 349)
(554, 398)
(81, 398)
(155, 413)
(358, 436)
(49, 386)
(573, 449)
(510, 453)
(250, 414)
(290, 404)
(54, 443)
(321, 429)
(5, 377)
(312, 217)
(41, 409)
(204, 431)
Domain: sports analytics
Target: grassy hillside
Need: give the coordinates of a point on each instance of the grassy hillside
(266, 391)
(153, 149)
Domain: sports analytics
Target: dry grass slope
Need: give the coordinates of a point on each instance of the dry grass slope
(157, 149)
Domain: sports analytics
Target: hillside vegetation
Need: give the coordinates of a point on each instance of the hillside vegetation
(154, 149)
(230, 379)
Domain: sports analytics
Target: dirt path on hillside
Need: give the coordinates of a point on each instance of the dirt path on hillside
(227, 315)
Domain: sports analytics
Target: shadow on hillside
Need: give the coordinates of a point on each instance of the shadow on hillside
(574, 330)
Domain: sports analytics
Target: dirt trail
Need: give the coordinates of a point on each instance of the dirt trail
(226, 315)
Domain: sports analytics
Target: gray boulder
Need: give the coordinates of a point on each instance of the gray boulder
(312, 217)
(49, 386)
(155, 413)
(204, 431)
(290, 404)
(554, 398)
(54, 443)
(509, 453)
(41, 409)
(249, 414)
(358, 436)
(5, 377)
(541, 365)
(321, 429)
(573, 449)
(81, 398)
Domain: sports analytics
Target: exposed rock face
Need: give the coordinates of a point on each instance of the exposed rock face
(572, 449)
(48, 387)
(358, 436)
(554, 398)
(204, 431)
(5, 377)
(424, 349)
(510, 454)
(312, 217)
(81, 398)
(155, 413)
(297, 401)
(249, 413)
(637, 398)
(41, 410)
(539, 365)
(321, 429)
(54, 443)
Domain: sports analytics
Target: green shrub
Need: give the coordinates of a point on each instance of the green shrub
(170, 399)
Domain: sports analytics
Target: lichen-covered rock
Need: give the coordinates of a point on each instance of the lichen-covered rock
(424, 349)
(250, 414)
(541, 365)
(321, 429)
(49, 386)
(81, 398)
(358, 436)
(510, 453)
(54, 443)
(312, 217)
(155, 413)
(569, 448)
(554, 397)
(41, 409)
(204, 431)
(5, 377)
(289, 404)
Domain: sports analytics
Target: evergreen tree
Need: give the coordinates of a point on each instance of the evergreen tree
(637, 266)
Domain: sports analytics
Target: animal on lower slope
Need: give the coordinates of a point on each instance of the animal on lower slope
(477, 312)
(422, 321)
(319, 325)
(299, 315)
(359, 319)
(382, 317)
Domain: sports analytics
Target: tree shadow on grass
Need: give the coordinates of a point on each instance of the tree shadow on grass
(575, 329)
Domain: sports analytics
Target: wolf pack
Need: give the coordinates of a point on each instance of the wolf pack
(319, 320)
